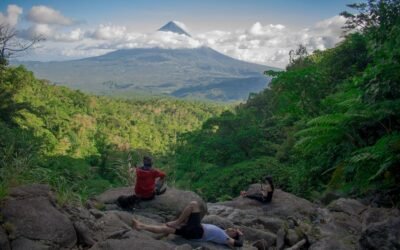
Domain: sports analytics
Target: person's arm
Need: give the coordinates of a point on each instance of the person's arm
(160, 174)
(235, 243)
(238, 242)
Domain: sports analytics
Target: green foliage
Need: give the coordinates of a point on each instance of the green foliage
(82, 144)
(330, 121)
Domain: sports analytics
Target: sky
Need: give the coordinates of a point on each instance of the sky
(259, 31)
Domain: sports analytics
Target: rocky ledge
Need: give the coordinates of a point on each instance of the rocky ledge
(32, 219)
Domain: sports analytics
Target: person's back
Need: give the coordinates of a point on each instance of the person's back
(146, 182)
(146, 178)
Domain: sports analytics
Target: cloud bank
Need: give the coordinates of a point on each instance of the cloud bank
(12, 16)
(46, 15)
(267, 44)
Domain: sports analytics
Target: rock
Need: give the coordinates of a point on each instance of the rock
(177, 240)
(292, 237)
(110, 224)
(168, 205)
(132, 243)
(346, 223)
(252, 234)
(381, 235)
(184, 247)
(348, 206)
(218, 221)
(280, 239)
(96, 213)
(261, 245)
(329, 243)
(172, 203)
(374, 215)
(270, 224)
(328, 197)
(234, 215)
(24, 244)
(4, 243)
(32, 190)
(298, 245)
(149, 215)
(282, 205)
(37, 218)
(84, 235)
(110, 196)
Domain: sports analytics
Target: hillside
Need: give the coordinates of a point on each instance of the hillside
(199, 72)
(82, 143)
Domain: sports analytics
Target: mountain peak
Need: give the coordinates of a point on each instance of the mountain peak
(175, 27)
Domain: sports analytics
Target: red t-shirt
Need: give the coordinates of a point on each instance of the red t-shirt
(146, 181)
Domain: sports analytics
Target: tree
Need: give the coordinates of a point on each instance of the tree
(10, 44)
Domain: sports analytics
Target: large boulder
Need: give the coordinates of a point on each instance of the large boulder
(382, 235)
(330, 243)
(24, 244)
(31, 213)
(349, 206)
(173, 201)
(137, 242)
(282, 205)
(4, 243)
(168, 205)
(111, 195)
(375, 215)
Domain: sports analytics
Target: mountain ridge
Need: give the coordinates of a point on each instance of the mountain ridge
(156, 70)
(173, 26)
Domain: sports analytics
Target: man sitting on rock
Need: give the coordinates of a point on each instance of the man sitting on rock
(147, 178)
(189, 226)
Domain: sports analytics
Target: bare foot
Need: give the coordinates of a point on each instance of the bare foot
(173, 224)
(137, 224)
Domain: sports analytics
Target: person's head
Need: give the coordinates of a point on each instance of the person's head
(268, 180)
(147, 162)
(233, 233)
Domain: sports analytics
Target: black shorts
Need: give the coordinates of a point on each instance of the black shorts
(192, 229)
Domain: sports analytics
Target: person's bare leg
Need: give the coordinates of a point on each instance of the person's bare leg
(193, 207)
(161, 229)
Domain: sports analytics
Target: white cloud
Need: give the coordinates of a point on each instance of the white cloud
(72, 36)
(109, 32)
(38, 30)
(13, 13)
(45, 15)
(270, 44)
(265, 44)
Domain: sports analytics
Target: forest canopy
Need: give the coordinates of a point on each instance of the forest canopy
(329, 123)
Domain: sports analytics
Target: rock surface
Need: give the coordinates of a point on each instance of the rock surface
(32, 214)
(4, 243)
(31, 219)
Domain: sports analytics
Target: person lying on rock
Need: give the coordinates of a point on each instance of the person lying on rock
(148, 183)
(265, 193)
(189, 226)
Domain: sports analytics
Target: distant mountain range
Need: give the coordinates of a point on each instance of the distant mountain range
(199, 73)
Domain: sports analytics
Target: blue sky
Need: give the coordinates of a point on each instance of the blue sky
(200, 14)
(82, 28)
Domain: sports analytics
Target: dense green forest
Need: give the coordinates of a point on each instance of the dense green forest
(329, 123)
(83, 144)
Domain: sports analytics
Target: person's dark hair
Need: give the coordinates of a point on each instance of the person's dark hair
(270, 182)
(147, 161)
